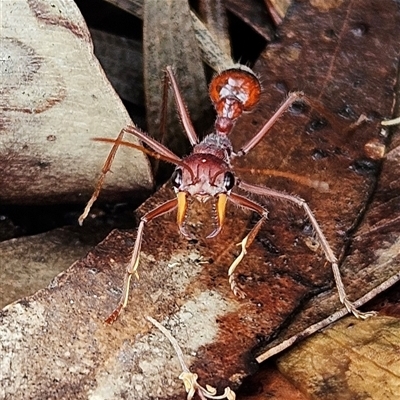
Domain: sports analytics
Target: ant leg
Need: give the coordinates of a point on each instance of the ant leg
(247, 241)
(245, 244)
(294, 96)
(181, 107)
(134, 262)
(322, 240)
(106, 168)
(156, 146)
(161, 152)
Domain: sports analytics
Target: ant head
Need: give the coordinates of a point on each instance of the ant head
(204, 177)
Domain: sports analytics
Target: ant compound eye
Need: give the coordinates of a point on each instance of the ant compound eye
(176, 178)
(229, 181)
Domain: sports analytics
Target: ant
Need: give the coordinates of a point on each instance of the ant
(207, 172)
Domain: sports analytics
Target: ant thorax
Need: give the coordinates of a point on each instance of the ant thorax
(217, 145)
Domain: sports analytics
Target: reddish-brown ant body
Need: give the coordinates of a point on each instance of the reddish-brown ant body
(207, 172)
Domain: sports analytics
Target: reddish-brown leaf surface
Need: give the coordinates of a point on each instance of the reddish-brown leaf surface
(352, 174)
(335, 56)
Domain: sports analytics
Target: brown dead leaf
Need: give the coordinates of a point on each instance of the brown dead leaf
(27, 264)
(54, 99)
(169, 39)
(122, 59)
(334, 155)
(213, 15)
(336, 58)
(217, 56)
(269, 384)
(350, 360)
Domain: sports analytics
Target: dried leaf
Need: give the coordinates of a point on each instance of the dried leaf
(122, 59)
(351, 359)
(371, 262)
(337, 59)
(169, 40)
(213, 14)
(55, 98)
(29, 263)
(255, 14)
(215, 55)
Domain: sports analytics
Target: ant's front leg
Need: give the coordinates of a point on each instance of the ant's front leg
(247, 241)
(330, 256)
(134, 262)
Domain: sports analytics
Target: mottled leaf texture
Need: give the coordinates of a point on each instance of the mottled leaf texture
(345, 59)
(54, 98)
(344, 363)
(356, 208)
